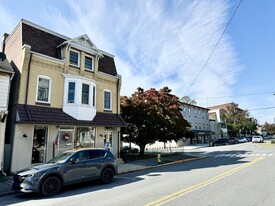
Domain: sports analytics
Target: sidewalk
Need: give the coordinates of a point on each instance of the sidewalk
(131, 166)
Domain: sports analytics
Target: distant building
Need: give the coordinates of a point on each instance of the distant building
(198, 118)
(217, 112)
(215, 127)
(6, 75)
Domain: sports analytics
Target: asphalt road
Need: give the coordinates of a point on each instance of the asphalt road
(240, 174)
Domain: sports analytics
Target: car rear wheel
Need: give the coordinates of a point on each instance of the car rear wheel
(50, 186)
(107, 175)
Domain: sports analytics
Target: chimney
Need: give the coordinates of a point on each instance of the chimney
(4, 37)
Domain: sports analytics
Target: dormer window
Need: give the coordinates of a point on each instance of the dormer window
(89, 63)
(74, 58)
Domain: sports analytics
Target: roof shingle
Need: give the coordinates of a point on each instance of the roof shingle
(49, 115)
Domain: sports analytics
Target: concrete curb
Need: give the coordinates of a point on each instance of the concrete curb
(160, 165)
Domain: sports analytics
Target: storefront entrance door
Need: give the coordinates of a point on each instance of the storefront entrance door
(39, 148)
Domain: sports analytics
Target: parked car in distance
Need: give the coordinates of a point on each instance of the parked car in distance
(232, 140)
(242, 140)
(257, 139)
(222, 141)
(69, 167)
(249, 138)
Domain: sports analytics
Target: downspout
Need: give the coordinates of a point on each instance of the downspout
(28, 79)
(117, 97)
(118, 102)
(27, 87)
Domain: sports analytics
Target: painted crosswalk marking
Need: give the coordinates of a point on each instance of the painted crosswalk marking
(243, 155)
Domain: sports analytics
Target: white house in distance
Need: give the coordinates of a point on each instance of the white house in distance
(6, 75)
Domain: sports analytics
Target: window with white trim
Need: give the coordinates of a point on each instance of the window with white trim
(85, 94)
(71, 92)
(89, 63)
(94, 90)
(107, 100)
(43, 89)
(74, 58)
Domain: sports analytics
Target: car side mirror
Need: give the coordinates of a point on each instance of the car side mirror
(72, 161)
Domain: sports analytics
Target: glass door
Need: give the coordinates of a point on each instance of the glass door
(40, 134)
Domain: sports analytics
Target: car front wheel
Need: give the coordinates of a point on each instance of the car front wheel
(107, 175)
(50, 186)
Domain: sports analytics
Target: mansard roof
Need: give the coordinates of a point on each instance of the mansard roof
(47, 42)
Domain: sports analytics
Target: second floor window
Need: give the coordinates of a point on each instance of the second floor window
(74, 58)
(107, 100)
(89, 63)
(85, 94)
(71, 92)
(43, 89)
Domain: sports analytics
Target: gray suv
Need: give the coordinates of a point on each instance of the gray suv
(69, 167)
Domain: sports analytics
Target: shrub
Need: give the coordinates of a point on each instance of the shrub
(273, 141)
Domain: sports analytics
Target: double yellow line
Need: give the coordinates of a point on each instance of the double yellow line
(184, 191)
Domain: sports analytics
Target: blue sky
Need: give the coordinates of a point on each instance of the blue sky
(160, 43)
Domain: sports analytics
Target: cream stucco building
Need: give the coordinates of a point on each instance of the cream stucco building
(66, 95)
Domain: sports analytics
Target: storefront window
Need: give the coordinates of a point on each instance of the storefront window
(84, 137)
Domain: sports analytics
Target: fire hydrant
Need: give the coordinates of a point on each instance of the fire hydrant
(158, 158)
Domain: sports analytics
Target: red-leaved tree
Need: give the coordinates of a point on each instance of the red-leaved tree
(152, 116)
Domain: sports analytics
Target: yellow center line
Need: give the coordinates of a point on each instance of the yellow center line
(184, 191)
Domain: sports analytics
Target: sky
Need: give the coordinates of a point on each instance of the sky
(214, 51)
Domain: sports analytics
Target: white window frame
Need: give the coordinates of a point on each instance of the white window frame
(89, 94)
(93, 61)
(78, 58)
(107, 90)
(50, 88)
(75, 85)
(94, 96)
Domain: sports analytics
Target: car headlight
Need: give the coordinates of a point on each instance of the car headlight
(22, 177)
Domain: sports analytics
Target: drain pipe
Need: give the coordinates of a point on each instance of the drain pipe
(28, 79)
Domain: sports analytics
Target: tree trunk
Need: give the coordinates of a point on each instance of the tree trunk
(142, 149)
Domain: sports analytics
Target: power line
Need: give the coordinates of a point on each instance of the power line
(216, 45)
(239, 95)
(261, 108)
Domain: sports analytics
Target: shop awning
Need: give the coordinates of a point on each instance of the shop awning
(203, 132)
(31, 114)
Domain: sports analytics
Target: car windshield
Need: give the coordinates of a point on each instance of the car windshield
(61, 158)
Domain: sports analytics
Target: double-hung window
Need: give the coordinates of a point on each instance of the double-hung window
(74, 58)
(107, 100)
(71, 92)
(43, 90)
(85, 94)
(89, 63)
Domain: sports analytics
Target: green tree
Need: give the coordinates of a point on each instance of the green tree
(270, 128)
(152, 116)
(238, 120)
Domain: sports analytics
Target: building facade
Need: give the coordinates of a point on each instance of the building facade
(6, 75)
(217, 111)
(66, 95)
(198, 118)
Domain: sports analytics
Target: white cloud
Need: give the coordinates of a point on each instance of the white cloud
(159, 43)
